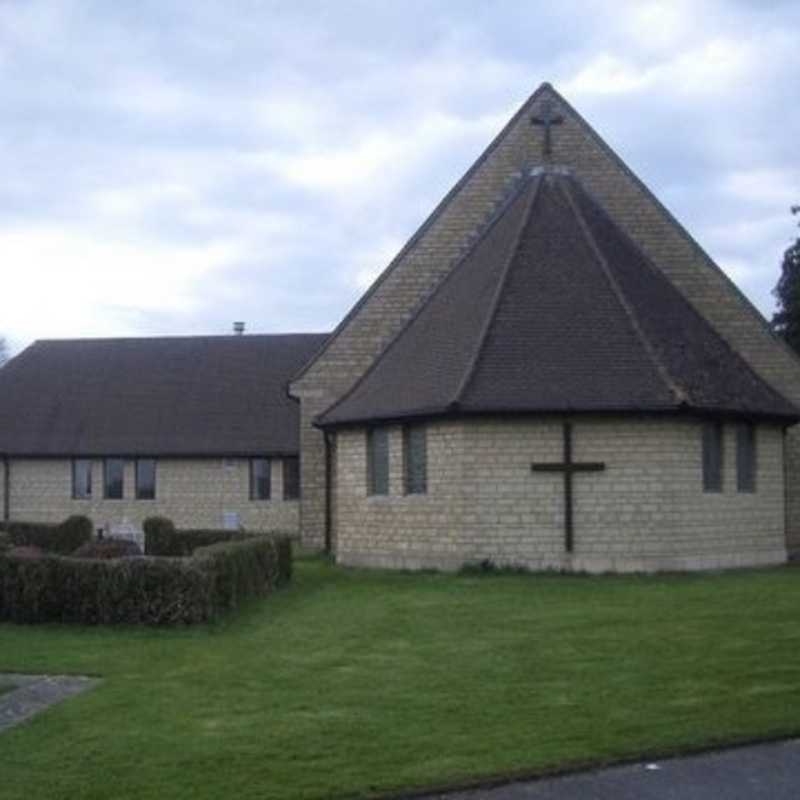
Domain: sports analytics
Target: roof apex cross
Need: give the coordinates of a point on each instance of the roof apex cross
(546, 118)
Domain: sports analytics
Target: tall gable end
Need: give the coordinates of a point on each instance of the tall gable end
(435, 248)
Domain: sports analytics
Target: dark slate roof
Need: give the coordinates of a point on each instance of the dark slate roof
(205, 395)
(555, 309)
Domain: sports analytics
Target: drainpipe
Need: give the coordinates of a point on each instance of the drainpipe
(328, 493)
(6, 489)
(786, 518)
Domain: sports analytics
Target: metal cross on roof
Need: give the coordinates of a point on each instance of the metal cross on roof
(568, 468)
(547, 117)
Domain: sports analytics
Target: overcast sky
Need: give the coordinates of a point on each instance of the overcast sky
(169, 167)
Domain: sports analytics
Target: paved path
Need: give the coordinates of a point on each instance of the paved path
(768, 771)
(35, 693)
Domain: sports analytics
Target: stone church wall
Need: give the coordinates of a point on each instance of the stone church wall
(431, 255)
(194, 493)
(646, 511)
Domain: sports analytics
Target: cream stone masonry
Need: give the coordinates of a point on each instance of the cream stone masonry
(647, 511)
(431, 253)
(194, 493)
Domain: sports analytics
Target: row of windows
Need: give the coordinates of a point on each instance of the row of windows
(145, 478)
(713, 452)
(261, 478)
(415, 460)
(114, 478)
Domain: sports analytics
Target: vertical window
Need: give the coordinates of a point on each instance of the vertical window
(81, 479)
(415, 459)
(113, 478)
(746, 458)
(291, 478)
(260, 483)
(712, 457)
(378, 461)
(145, 479)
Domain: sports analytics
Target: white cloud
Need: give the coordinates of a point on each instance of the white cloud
(775, 187)
(66, 283)
(376, 157)
(707, 68)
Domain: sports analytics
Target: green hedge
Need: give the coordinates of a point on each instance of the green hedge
(150, 591)
(62, 539)
(161, 538)
(108, 548)
(245, 568)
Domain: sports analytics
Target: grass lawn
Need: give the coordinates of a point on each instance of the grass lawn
(351, 682)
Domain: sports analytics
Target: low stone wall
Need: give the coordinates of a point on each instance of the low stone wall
(193, 493)
(646, 511)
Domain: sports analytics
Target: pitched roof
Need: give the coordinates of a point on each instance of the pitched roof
(181, 396)
(555, 309)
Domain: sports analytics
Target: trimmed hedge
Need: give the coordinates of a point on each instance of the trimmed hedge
(108, 548)
(145, 590)
(62, 539)
(161, 538)
(246, 568)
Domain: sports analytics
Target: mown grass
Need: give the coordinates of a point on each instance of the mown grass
(351, 683)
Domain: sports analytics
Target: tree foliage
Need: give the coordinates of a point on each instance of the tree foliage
(786, 320)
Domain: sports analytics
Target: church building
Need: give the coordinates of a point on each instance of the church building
(550, 374)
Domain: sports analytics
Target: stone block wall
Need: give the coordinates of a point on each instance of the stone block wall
(647, 510)
(194, 493)
(432, 252)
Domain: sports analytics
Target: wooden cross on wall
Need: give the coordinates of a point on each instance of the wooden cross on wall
(568, 468)
(547, 117)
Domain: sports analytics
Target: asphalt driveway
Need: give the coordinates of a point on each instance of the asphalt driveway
(759, 771)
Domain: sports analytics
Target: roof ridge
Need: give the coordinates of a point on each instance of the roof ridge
(482, 232)
(672, 384)
(426, 224)
(501, 284)
(170, 338)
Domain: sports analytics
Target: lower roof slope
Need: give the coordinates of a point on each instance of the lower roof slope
(555, 309)
(180, 396)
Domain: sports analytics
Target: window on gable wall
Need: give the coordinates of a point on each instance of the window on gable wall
(746, 458)
(712, 457)
(415, 459)
(378, 461)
